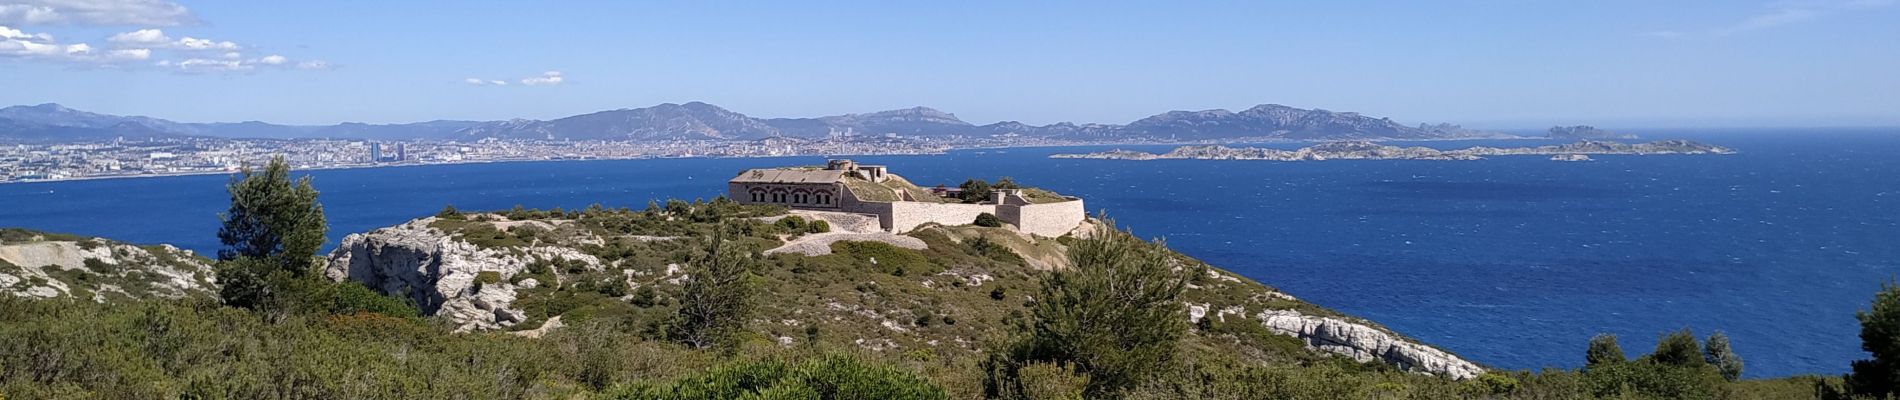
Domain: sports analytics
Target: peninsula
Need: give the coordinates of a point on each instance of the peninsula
(1365, 150)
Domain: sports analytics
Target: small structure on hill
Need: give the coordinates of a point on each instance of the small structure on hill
(899, 205)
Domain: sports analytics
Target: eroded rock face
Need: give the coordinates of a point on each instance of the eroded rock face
(1366, 343)
(440, 272)
(99, 269)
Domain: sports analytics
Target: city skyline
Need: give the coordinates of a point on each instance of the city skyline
(1483, 65)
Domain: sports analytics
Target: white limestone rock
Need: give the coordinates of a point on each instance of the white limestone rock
(439, 272)
(1366, 343)
(37, 268)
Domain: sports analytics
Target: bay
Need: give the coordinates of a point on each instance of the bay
(1511, 261)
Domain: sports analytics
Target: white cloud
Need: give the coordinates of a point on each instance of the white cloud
(314, 65)
(273, 60)
(15, 43)
(194, 65)
(129, 54)
(191, 43)
(95, 12)
(546, 78)
(156, 38)
(549, 78)
(141, 37)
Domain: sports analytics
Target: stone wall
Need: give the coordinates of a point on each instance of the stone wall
(1047, 219)
(907, 215)
(741, 192)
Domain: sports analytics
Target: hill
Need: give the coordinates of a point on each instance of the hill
(702, 121)
(45, 265)
(946, 290)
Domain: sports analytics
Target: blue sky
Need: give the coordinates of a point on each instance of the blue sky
(1493, 64)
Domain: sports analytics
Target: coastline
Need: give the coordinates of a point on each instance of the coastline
(1038, 146)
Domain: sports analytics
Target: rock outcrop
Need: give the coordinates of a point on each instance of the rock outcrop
(473, 272)
(1366, 343)
(443, 274)
(34, 265)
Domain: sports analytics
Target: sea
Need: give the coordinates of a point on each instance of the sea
(1511, 262)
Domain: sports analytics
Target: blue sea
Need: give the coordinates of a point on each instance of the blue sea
(1512, 261)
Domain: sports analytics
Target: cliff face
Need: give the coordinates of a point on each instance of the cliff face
(873, 295)
(441, 273)
(1366, 343)
(42, 265)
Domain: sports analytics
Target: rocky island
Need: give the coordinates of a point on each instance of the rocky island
(1364, 150)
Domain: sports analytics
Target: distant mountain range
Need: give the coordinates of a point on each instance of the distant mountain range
(700, 121)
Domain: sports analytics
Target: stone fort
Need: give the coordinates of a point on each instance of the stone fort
(899, 205)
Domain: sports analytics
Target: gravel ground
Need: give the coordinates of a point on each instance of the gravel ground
(820, 243)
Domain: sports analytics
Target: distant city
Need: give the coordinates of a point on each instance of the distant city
(48, 142)
(198, 155)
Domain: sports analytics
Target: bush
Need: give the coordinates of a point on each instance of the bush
(884, 257)
(449, 212)
(792, 223)
(1879, 336)
(1603, 350)
(487, 278)
(1677, 348)
(988, 220)
(1717, 353)
(829, 378)
(352, 297)
(818, 226)
(1116, 316)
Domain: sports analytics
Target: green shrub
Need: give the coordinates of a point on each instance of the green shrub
(818, 226)
(98, 266)
(829, 378)
(352, 297)
(449, 212)
(884, 257)
(988, 220)
(487, 278)
(792, 223)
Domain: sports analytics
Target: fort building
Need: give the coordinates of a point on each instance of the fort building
(872, 190)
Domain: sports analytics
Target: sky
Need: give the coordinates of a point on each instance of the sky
(1484, 64)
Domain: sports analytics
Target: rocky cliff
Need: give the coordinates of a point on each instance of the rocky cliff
(45, 265)
(1366, 343)
(496, 272)
(442, 274)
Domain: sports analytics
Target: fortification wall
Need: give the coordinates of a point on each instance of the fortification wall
(1047, 219)
(907, 215)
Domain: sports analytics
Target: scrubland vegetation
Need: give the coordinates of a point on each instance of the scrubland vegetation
(986, 314)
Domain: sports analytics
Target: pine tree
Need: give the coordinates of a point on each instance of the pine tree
(718, 298)
(1717, 353)
(1677, 348)
(271, 235)
(1880, 336)
(1603, 351)
(1115, 315)
(273, 218)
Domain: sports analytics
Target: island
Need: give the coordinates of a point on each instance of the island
(1585, 132)
(1365, 150)
(1570, 158)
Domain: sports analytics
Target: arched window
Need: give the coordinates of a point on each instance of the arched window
(758, 195)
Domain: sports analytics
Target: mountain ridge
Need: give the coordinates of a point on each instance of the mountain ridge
(697, 120)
